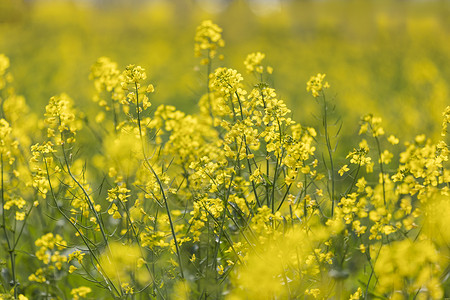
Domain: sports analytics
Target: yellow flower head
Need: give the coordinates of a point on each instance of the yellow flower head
(208, 38)
(134, 74)
(105, 74)
(60, 116)
(80, 292)
(253, 62)
(316, 84)
(226, 80)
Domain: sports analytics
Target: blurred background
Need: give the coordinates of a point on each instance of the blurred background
(389, 58)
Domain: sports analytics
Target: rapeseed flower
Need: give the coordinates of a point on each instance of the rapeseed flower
(316, 84)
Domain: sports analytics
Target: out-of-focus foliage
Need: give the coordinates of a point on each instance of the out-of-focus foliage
(389, 57)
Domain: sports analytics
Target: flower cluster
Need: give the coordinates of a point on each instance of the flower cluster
(316, 84)
(208, 38)
(253, 63)
(61, 120)
(49, 252)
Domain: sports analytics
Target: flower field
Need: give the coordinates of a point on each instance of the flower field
(302, 158)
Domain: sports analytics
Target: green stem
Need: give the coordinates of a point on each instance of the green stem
(11, 250)
(88, 198)
(208, 91)
(150, 167)
(247, 150)
(216, 251)
(284, 197)
(381, 169)
(136, 237)
(354, 178)
(86, 241)
(329, 149)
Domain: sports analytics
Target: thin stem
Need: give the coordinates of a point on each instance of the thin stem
(150, 167)
(115, 117)
(247, 150)
(86, 241)
(88, 198)
(380, 159)
(253, 182)
(222, 230)
(354, 178)
(267, 152)
(136, 237)
(329, 149)
(284, 197)
(11, 250)
(208, 91)
(372, 273)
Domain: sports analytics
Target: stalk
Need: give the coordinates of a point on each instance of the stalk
(172, 229)
(381, 169)
(247, 150)
(110, 285)
(11, 250)
(88, 198)
(208, 91)
(330, 151)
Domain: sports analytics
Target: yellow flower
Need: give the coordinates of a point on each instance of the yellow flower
(72, 268)
(20, 216)
(313, 292)
(407, 265)
(208, 37)
(127, 288)
(253, 62)
(393, 140)
(105, 74)
(134, 74)
(316, 84)
(343, 170)
(80, 292)
(226, 81)
(220, 270)
(362, 248)
(356, 295)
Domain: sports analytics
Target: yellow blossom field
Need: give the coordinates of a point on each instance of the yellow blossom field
(224, 149)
